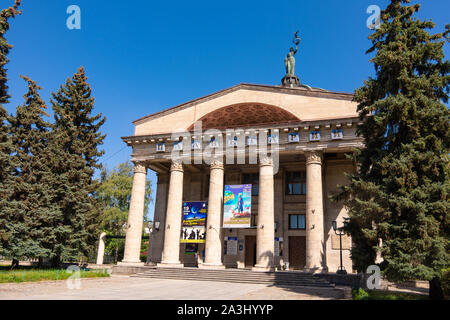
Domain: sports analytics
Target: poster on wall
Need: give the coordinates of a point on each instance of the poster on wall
(193, 229)
(237, 206)
(232, 245)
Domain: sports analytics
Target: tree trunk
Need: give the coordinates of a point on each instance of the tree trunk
(40, 262)
(55, 262)
(436, 292)
(15, 263)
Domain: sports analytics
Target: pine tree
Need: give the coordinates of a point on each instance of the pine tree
(75, 142)
(30, 204)
(5, 141)
(400, 192)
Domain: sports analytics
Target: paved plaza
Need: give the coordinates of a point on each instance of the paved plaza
(126, 288)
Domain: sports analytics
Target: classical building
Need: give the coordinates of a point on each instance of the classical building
(308, 133)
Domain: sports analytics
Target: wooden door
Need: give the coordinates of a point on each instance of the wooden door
(250, 251)
(297, 252)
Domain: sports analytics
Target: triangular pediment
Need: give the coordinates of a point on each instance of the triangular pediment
(251, 105)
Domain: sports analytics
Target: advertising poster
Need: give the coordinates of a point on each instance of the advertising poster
(237, 206)
(193, 229)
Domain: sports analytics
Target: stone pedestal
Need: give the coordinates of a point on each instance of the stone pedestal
(291, 81)
(265, 233)
(135, 217)
(314, 212)
(101, 248)
(171, 251)
(213, 245)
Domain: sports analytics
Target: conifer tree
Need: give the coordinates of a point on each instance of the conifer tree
(75, 144)
(29, 212)
(5, 141)
(400, 193)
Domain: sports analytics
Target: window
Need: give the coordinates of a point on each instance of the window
(253, 179)
(272, 138)
(293, 137)
(196, 144)
(297, 222)
(252, 140)
(160, 147)
(178, 145)
(336, 134)
(295, 182)
(213, 143)
(314, 136)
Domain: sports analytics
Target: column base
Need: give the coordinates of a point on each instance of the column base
(260, 268)
(169, 265)
(211, 266)
(131, 263)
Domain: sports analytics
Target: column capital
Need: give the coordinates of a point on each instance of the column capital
(265, 161)
(140, 167)
(313, 157)
(216, 164)
(176, 166)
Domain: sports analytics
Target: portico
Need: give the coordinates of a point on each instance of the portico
(307, 132)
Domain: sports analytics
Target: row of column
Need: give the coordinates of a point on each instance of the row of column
(168, 238)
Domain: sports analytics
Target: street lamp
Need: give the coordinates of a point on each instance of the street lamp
(341, 269)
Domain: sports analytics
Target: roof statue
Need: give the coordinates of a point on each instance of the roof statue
(290, 79)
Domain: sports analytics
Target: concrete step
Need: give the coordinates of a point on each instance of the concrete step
(236, 276)
(281, 283)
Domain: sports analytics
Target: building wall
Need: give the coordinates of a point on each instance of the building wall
(195, 189)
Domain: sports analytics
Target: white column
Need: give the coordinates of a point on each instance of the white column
(213, 245)
(171, 251)
(101, 248)
(135, 217)
(314, 212)
(157, 238)
(265, 233)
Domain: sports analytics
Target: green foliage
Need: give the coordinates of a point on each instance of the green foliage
(30, 200)
(114, 193)
(5, 141)
(359, 294)
(445, 281)
(400, 192)
(31, 275)
(75, 140)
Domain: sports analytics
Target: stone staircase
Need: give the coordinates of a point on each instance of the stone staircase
(278, 278)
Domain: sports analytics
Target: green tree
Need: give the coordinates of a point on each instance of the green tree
(75, 144)
(5, 140)
(400, 192)
(115, 194)
(30, 203)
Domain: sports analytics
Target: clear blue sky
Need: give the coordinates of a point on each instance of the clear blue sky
(144, 56)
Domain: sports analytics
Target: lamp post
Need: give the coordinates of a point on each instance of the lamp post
(341, 269)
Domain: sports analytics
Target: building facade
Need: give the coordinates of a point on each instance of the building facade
(288, 142)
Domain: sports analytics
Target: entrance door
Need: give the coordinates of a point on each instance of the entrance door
(250, 251)
(297, 252)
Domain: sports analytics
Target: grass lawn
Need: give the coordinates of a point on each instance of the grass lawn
(386, 295)
(26, 274)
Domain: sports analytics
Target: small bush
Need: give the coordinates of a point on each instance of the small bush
(445, 281)
(359, 294)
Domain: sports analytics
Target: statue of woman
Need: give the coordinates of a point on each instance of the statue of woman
(289, 61)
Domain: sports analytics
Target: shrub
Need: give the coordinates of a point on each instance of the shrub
(445, 281)
(359, 294)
